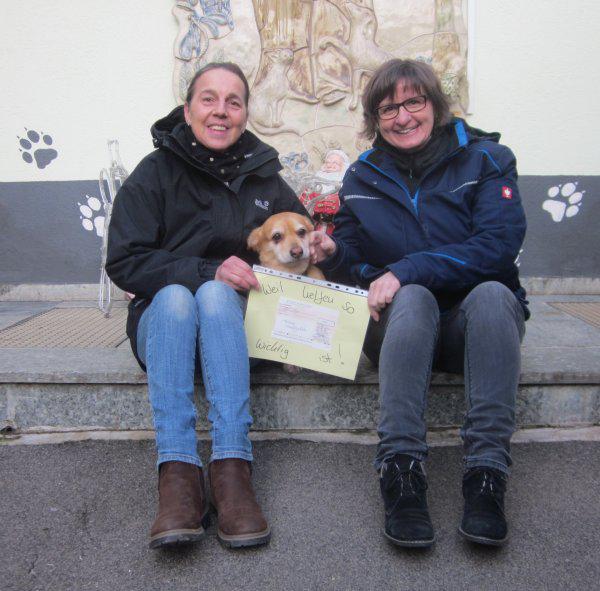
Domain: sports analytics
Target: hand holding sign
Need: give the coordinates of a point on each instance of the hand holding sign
(237, 274)
(321, 246)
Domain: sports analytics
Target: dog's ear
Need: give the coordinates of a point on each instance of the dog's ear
(309, 224)
(254, 238)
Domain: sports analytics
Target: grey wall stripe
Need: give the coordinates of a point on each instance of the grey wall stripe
(43, 239)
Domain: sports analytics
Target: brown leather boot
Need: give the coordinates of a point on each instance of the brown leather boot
(182, 507)
(241, 522)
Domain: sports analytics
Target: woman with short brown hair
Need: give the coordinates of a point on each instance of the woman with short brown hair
(431, 223)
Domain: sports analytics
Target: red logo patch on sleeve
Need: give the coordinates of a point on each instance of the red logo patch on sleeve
(507, 192)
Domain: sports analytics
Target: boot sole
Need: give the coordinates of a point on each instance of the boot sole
(410, 543)
(244, 540)
(481, 539)
(180, 537)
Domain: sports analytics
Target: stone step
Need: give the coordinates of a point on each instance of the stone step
(45, 390)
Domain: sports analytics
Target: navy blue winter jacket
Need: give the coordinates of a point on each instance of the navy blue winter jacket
(463, 225)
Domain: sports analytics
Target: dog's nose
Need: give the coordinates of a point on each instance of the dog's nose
(296, 252)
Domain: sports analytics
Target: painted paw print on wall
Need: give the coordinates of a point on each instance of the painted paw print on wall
(565, 201)
(36, 142)
(92, 215)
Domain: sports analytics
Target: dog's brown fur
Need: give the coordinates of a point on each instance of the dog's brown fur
(282, 244)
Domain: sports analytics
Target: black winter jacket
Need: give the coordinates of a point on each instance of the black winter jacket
(175, 221)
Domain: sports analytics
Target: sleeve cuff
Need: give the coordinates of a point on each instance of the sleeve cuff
(404, 271)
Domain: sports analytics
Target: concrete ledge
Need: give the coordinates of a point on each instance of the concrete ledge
(42, 408)
(89, 389)
(561, 285)
(435, 438)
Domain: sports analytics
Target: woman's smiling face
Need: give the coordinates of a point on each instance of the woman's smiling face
(217, 113)
(407, 131)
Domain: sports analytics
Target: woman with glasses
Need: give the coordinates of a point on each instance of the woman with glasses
(431, 223)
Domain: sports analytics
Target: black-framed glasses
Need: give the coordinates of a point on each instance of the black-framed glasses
(412, 105)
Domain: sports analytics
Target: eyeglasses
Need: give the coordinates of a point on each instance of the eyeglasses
(411, 105)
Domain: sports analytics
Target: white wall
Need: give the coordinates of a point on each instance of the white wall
(85, 72)
(537, 80)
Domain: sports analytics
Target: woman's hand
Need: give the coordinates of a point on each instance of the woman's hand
(237, 274)
(321, 246)
(381, 293)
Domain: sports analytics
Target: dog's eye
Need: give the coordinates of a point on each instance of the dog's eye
(276, 237)
(302, 232)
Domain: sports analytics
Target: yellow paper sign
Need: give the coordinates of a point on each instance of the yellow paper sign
(305, 322)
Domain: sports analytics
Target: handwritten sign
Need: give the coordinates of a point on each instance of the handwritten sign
(305, 322)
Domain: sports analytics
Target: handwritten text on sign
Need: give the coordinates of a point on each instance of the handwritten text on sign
(305, 322)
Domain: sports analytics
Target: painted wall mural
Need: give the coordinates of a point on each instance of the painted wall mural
(308, 61)
(199, 22)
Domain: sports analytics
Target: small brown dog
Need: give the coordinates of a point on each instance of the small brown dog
(282, 244)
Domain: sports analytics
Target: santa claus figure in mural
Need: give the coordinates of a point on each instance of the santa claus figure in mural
(320, 194)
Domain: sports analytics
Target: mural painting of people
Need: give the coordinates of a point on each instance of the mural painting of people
(309, 61)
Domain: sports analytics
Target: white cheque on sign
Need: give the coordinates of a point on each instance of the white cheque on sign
(305, 323)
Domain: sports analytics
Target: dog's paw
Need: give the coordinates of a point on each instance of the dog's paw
(565, 201)
(42, 156)
(292, 369)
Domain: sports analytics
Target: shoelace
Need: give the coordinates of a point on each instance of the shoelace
(410, 484)
(486, 484)
(489, 488)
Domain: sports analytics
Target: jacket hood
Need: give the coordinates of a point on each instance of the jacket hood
(475, 133)
(171, 133)
(164, 126)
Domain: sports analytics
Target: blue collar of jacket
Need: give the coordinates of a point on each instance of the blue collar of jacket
(383, 164)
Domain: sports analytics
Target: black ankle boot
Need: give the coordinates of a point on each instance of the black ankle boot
(403, 488)
(483, 519)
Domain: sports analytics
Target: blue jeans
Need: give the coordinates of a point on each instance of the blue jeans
(173, 329)
(479, 337)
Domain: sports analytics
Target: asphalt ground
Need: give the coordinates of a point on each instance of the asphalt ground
(76, 516)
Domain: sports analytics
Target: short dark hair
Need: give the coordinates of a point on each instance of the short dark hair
(229, 66)
(418, 76)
